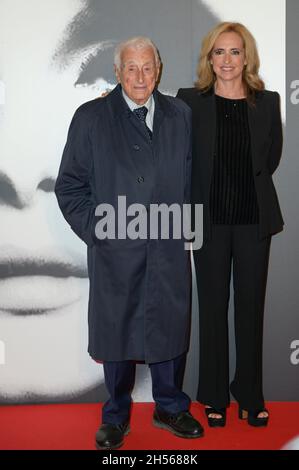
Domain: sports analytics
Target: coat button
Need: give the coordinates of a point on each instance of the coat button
(140, 179)
(258, 173)
(136, 147)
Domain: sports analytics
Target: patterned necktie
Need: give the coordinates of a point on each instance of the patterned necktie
(141, 114)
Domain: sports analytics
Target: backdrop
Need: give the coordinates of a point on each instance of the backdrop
(55, 55)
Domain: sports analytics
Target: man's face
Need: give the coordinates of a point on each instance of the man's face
(138, 73)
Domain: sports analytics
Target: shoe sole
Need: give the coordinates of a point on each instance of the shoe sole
(257, 424)
(216, 425)
(98, 447)
(164, 426)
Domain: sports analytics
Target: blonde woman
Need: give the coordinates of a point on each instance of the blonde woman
(237, 144)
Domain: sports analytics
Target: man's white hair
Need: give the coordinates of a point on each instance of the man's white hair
(138, 42)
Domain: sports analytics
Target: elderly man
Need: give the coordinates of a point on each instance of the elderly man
(134, 143)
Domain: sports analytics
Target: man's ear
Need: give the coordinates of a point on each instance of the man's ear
(159, 73)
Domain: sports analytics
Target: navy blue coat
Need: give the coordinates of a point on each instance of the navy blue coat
(139, 302)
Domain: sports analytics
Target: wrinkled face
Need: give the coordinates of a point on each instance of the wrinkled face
(228, 57)
(138, 73)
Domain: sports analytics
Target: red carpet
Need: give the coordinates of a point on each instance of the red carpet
(70, 427)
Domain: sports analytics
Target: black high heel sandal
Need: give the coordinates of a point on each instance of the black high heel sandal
(216, 422)
(252, 417)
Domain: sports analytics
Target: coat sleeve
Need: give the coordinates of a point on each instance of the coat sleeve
(189, 185)
(276, 135)
(73, 185)
(188, 120)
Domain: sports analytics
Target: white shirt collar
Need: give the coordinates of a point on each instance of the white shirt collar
(150, 105)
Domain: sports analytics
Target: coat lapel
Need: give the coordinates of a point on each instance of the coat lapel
(257, 119)
(159, 114)
(206, 118)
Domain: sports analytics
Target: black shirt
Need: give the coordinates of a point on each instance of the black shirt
(233, 198)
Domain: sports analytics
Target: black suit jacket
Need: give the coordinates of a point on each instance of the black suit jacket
(266, 144)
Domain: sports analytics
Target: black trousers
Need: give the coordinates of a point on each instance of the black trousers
(236, 247)
(167, 382)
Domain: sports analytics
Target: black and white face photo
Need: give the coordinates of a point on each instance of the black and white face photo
(54, 56)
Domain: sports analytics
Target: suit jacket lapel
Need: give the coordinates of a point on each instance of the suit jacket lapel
(207, 120)
(257, 122)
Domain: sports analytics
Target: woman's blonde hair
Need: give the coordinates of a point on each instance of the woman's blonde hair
(251, 79)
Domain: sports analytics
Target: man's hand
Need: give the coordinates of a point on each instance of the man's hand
(105, 93)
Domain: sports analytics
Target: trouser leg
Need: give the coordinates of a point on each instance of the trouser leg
(250, 268)
(119, 380)
(167, 380)
(213, 272)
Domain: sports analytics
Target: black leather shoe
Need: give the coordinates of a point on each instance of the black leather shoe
(181, 424)
(111, 436)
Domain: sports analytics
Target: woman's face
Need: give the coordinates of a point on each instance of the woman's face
(228, 57)
(43, 278)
